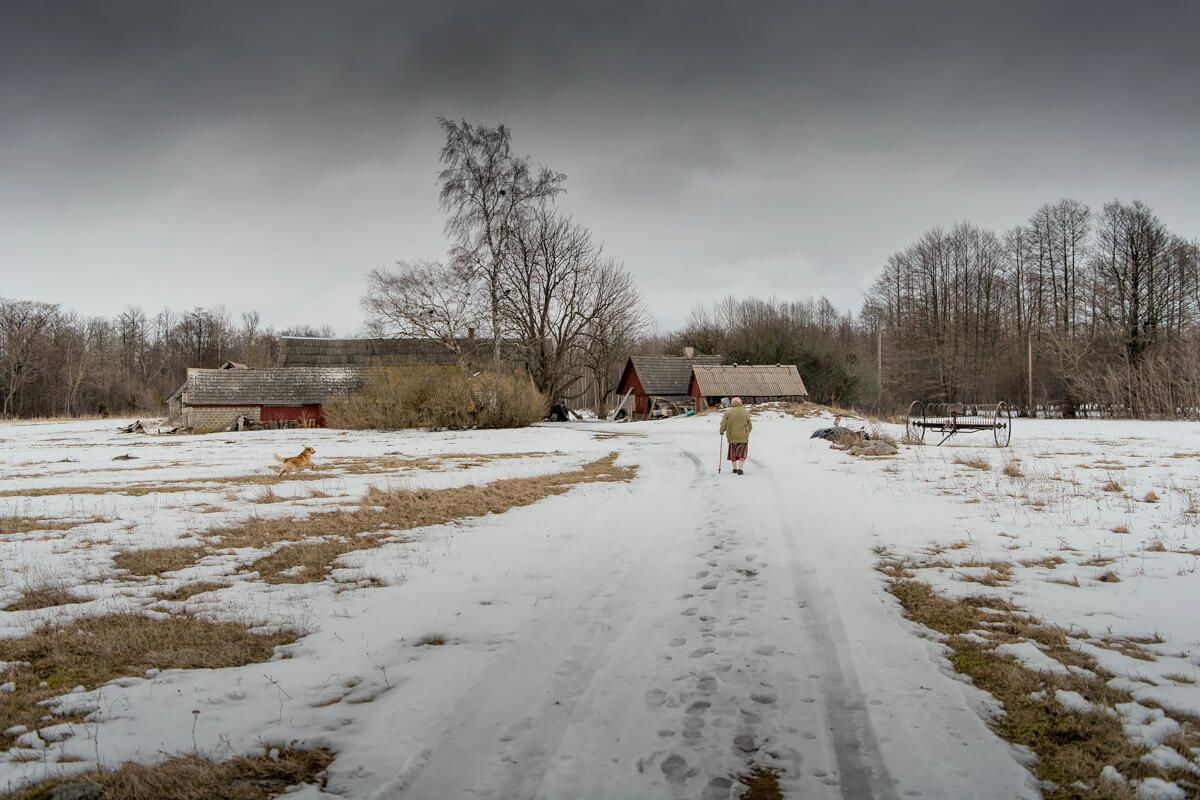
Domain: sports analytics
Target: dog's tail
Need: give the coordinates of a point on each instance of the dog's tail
(280, 458)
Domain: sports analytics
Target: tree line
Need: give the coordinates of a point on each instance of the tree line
(1073, 311)
(54, 362)
(1104, 305)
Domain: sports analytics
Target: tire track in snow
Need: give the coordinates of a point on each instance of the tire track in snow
(860, 764)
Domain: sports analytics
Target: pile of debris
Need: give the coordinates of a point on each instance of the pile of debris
(859, 442)
(244, 423)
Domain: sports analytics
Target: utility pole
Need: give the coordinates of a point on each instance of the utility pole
(1032, 410)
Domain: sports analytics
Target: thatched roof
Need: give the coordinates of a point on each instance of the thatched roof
(750, 381)
(667, 375)
(272, 386)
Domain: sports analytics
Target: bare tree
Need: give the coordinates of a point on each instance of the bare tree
(487, 191)
(424, 299)
(558, 291)
(23, 324)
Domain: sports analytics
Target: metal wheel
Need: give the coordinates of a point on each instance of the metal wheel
(1002, 424)
(913, 432)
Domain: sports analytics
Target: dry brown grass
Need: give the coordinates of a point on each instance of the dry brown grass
(169, 486)
(1121, 529)
(761, 784)
(320, 539)
(92, 651)
(19, 523)
(1049, 562)
(1156, 545)
(1111, 485)
(193, 777)
(1013, 469)
(1070, 746)
(156, 560)
(1108, 576)
(189, 590)
(974, 462)
(1071, 581)
(1150, 497)
(1179, 677)
(45, 595)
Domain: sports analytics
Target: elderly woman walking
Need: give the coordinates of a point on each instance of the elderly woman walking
(736, 425)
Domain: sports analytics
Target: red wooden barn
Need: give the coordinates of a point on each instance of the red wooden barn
(211, 399)
(662, 377)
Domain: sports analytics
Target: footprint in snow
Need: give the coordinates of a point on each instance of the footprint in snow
(655, 698)
(675, 768)
(764, 694)
(717, 789)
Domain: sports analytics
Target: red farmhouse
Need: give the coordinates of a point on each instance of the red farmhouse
(664, 377)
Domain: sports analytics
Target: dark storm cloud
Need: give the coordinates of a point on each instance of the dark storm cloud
(773, 148)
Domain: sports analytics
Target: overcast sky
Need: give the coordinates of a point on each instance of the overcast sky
(267, 155)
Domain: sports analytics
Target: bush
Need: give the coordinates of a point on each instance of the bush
(396, 397)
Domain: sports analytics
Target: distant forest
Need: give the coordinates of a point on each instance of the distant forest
(1107, 304)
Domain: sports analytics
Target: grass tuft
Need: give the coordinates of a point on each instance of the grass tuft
(45, 595)
(194, 777)
(156, 560)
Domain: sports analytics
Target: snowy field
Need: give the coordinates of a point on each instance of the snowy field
(644, 638)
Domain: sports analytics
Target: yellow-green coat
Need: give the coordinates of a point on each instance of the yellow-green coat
(736, 425)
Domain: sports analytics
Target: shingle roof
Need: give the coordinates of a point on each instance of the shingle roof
(272, 386)
(750, 381)
(668, 375)
(303, 351)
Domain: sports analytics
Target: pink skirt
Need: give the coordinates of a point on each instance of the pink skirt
(737, 452)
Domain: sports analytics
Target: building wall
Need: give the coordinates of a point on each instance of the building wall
(205, 419)
(307, 415)
(630, 380)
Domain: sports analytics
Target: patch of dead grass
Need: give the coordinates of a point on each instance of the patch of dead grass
(190, 590)
(1049, 562)
(45, 595)
(194, 777)
(1111, 485)
(1150, 497)
(1108, 576)
(156, 560)
(91, 651)
(1179, 677)
(1012, 469)
(761, 784)
(1071, 747)
(323, 537)
(974, 462)
(19, 523)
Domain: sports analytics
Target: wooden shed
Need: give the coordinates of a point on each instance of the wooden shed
(710, 384)
(655, 376)
(211, 399)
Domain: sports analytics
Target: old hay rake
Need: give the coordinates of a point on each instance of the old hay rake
(948, 419)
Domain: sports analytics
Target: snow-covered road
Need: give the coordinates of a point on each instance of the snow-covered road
(701, 625)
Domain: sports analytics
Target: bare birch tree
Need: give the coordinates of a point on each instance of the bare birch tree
(487, 191)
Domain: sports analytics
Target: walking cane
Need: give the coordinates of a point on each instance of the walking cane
(720, 447)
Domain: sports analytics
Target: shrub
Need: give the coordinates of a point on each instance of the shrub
(395, 397)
